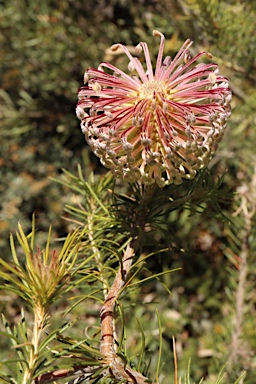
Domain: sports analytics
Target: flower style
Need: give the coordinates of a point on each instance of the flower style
(157, 126)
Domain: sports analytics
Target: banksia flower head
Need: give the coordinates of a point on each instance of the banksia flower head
(156, 126)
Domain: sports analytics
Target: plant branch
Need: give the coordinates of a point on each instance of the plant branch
(39, 324)
(65, 373)
(116, 367)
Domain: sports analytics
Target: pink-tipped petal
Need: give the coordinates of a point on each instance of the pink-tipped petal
(156, 127)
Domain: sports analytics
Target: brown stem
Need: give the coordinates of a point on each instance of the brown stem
(107, 310)
(51, 377)
(116, 367)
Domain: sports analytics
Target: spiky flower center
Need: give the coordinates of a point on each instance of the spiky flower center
(148, 90)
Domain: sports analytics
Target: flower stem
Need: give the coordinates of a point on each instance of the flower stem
(116, 367)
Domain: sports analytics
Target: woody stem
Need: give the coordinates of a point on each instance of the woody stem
(116, 366)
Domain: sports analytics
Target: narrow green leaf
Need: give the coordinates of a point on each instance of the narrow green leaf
(32, 234)
(80, 174)
(23, 335)
(73, 346)
(51, 336)
(154, 277)
(96, 198)
(22, 292)
(47, 248)
(187, 378)
(241, 377)
(13, 250)
(221, 375)
(143, 259)
(160, 347)
(15, 340)
(23, 239)
(11, 268)
(121, 338)
(143, 342)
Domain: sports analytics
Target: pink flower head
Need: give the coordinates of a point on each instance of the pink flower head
(157, 126)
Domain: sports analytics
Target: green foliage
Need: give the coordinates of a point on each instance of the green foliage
(45, 277)
(85, 263)
(45, 49)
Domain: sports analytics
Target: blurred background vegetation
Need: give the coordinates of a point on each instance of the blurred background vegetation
(45, 47)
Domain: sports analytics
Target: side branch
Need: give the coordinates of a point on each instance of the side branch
(51, 377)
